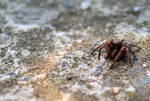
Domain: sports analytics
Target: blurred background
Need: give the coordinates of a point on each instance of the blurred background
(45, 50)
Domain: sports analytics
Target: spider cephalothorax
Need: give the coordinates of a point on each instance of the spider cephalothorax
(116, 49)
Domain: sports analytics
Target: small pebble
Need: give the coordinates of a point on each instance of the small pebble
(97, 73)
(64, 63)
(69, 77)
(115, 90)
(26, 78)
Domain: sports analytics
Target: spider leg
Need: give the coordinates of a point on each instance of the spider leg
(108, 52)
(114, 52)
(127, 52)
(135, 46)
(99, 47)
(131, 52)
(99, 54)
(120, 54)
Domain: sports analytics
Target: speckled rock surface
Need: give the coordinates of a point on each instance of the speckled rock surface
(46, 45)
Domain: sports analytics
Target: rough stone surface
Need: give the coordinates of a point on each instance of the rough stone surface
(45, 48)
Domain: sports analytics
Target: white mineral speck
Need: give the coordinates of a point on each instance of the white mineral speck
(130, 89)
(148, 73)
(85, 4)
(144, 65)
(25, 53)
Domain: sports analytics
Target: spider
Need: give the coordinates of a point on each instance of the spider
(116, 49)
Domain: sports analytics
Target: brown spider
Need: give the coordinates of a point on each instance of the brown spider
(116, 49)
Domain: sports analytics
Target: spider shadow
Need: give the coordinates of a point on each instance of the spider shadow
(124, 61)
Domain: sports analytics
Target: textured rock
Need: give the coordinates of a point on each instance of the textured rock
(45, 50)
